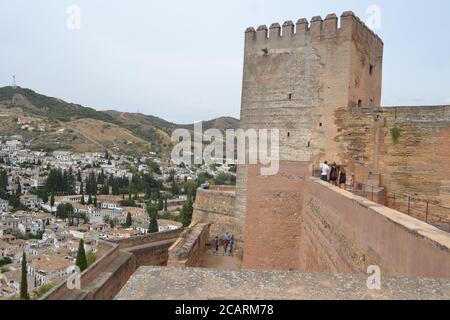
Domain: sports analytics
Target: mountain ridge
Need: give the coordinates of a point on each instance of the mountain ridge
(60, 125)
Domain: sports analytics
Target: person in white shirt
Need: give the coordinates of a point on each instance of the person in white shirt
(324, 169)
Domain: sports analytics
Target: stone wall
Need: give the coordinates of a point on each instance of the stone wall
(414, 164)
(147, 239)
(188, 248)
(346, 233)
(102, 280)
(117, 261)
(216, 207)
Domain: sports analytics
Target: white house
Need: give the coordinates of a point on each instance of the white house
(3, 205)
(31, 201)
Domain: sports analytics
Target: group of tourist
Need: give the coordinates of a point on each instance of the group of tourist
(334, 174)
(227, 242)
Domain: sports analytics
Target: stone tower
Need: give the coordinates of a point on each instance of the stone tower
(297, 78)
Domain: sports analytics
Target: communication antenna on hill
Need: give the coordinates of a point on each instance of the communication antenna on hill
(14, 82)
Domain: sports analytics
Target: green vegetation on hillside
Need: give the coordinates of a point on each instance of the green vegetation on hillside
(53, 108)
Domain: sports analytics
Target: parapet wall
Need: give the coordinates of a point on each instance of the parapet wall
(188, 248)
(335, 231)
(153, 283)
(346, 233)
(147, 239)
(102, 280)
(117, 261)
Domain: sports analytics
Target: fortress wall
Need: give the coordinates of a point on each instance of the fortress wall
(418, 163)
(415, 165)
(217, 208)
(342, 232)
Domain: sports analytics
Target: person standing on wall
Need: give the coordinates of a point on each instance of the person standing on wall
(333, 174)
(324, 169)
(226, 239)
(342, 177)
(230, 245)
(216, 243)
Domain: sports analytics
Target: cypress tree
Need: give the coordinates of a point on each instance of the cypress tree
(165, 205)
(19, 188)
(186, 213)
(129, 221)
(24, 282)
(81, 261)
(160, 204)
(44, 195)
(152, 211)
(52, 200)
(83, 202)
(90, 199)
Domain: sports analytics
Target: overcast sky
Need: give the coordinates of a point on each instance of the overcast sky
(182, 60)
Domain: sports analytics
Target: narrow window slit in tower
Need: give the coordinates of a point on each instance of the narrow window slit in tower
(359, 103)
(290, 96)
(370, 69)
(289, 134)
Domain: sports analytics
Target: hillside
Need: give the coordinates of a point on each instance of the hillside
(53, 124)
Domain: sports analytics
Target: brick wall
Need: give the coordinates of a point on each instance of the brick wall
(342, 232)
(273, 217)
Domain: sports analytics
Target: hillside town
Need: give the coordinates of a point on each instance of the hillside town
(55, 204)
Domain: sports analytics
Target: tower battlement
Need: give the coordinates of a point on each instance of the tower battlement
(316, 29)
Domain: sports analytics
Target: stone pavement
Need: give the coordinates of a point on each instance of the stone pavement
(211, 259)
(163, 283)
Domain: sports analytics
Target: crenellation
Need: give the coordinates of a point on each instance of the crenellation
(262, 33)
(250, 30)
(316, 29)
(330, 26)
(274, 31)
(288, 29)
(250, 34)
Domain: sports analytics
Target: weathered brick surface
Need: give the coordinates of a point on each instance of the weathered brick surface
(415, 165)
(273, 217)
(216, 206)
(342, 232)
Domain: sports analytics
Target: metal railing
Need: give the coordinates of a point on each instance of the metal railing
(428, 211)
